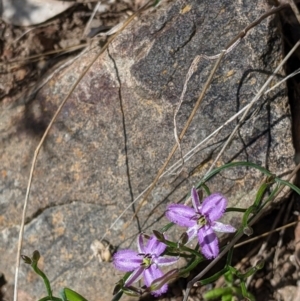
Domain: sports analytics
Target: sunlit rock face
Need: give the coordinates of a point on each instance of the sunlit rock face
(116, 130)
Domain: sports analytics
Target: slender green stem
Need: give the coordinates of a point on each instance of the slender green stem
(231, 209)
(213, 277)
(50, 299)
(181, 247)
(45, 279)
(248, 164)
(191, 265)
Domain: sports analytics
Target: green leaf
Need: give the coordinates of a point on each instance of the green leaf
(218, 293)
(118, 296)
(167, 227)
(71, 295)
(228, 277)
(227, 298)
(245, 292)
(118, 286)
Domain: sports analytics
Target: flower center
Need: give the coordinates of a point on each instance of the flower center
(146, 260)
(201, 221)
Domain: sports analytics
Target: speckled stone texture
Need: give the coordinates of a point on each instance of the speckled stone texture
(116, 130)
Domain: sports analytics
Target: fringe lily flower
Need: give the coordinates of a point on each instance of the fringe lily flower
(145, 263)
(202, 220)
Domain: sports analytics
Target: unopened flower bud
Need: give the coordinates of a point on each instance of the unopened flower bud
(36, 255)
(260, 264)
(159, 282)
(26, 259)
(160, 237)
(184, 238)
(132, 291)
(248, 231)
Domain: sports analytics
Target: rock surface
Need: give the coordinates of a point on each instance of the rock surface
(116, 130)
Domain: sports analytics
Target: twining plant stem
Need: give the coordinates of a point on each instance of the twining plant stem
(44, 277)
(248, 164)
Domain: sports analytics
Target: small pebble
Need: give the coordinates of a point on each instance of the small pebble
(259, 282)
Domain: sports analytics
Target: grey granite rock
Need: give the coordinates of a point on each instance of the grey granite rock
(116, 130)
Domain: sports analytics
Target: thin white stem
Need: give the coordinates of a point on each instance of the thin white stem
(87, 27)
(191, 71)
(282, 81)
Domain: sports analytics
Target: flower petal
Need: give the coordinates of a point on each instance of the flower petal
(195, 199)
(163, 261)
(135, 276)
(127, 260)
(181, 215)
(208, 242)
(220, 227)
(150, 275)
(192, 232)
(214, 206)
(140, 244)
(154, 246)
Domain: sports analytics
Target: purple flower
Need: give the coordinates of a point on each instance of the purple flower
(202, 220)
(144, 263)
